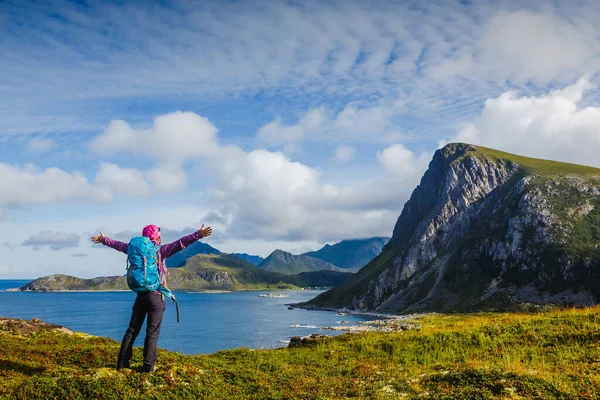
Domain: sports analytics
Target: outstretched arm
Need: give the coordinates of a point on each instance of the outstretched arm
(113, 244)
(169, 249)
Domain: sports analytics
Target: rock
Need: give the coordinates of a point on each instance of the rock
(482, 231)
(25, 327)
(299, 341)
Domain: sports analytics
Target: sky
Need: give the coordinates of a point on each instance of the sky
(281, 124)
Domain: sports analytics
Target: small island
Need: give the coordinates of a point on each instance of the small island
(202, 272)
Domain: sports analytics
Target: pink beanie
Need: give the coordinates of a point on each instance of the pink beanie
(151, 231)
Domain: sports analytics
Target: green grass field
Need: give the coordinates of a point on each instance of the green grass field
(546, 355)
(539, 166)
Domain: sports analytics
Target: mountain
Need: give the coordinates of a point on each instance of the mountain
(61, 282)
(254, 260)
(178, 259)
(202, 271)
(286, 263)
(223, 271)
(485, 230)
(351, 255)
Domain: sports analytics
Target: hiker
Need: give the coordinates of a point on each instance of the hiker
(149, 302)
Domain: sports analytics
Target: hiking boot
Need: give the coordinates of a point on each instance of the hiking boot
(121, 365)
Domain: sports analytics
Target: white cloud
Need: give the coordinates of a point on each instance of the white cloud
(267, 195)
(328, 50)
(397, 159)
(124, 180)
(351, 124)
(344, 153)
(38, 145)
(29, 186)
(277, 133)
(520, 46)
(175, 137)
(54, 240)
(552, 126)
(537, 46)
(167, 177)
(172, 139)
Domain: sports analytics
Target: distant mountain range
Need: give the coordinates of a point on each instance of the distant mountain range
(254, 260)
(201, 266)
(351, 255)
(345, 256)
(287, 263)
(202, 271)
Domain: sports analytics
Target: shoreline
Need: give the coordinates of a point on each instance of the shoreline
(191, 291)
(361, 313)
(65, 291)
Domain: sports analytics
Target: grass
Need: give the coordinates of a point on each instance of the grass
(547, 355)
(548, 168)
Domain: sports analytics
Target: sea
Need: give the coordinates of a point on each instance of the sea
(209, 321)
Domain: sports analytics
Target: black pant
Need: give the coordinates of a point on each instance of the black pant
(154, 306)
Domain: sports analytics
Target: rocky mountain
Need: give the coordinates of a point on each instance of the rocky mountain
(202, 271)
(287, 263)
(351, 255)
(485, 230)
(178, 259)
(254, 260)
(66, 282)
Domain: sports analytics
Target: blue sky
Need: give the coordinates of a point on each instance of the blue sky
(281, 124)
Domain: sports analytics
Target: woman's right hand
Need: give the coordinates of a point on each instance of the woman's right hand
(99, 238)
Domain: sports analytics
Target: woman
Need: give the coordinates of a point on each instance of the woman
(150, 303)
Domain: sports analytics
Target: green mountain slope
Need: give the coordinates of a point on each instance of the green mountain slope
(202, 271)
(287, 263)
(179, 258)
(486, 230)
(351, 255)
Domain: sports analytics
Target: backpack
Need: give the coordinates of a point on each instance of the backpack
(142, 265)
(142, 268)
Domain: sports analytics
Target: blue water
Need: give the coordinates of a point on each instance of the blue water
(209, 322)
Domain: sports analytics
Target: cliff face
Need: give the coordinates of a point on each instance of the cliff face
(486, 229)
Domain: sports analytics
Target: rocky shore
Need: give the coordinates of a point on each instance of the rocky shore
(382, 325)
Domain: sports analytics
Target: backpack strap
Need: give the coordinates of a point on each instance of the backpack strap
(167, 292)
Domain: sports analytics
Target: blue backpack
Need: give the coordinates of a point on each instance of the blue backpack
(142, 265)
(142, 268)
